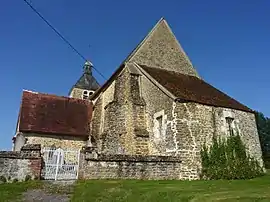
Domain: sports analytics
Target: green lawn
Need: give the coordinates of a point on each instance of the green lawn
(140, 191)
(12, 191)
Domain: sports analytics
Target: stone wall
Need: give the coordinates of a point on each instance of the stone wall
(119, 124)
(76, 93)
(100, 106)
(195, 124)
(116, 123)
(94, 166)
(62, 141)
(245, 124)
(157, 104)
(186, 126)
(21, 166)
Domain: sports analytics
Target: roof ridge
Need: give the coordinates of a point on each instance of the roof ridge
(30, 91)
(171, 71)
(53, 95)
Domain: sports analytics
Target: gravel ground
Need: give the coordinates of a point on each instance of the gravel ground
(52, 191)
(41, 195)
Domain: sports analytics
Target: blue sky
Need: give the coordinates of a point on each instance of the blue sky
(227, 41)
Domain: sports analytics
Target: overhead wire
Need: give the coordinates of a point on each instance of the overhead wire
(62, 37)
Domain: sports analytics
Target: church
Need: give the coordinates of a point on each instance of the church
(155, 103)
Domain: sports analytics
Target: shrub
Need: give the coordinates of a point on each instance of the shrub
(266, 159)
(3, 179)
(228, 159)
(15, 180)
(28, 178)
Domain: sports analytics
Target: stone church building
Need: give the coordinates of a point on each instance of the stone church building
(154, 104)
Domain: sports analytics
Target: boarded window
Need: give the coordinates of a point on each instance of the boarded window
(229, 122)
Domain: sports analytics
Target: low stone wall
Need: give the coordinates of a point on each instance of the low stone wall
(98, 166)
(21, 165)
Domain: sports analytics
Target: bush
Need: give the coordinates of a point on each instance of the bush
(227, 159)
(15, 180)
(28, 178)
(3, 179)
(266, 159)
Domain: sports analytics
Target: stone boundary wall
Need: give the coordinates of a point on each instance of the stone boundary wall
(21, 165)
(105, 166)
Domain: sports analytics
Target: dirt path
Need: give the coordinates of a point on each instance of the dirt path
(41, 195)
(50, 192)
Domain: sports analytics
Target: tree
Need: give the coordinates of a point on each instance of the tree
(263, 126)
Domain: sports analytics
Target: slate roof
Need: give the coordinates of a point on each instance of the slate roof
(87, 81)
(190, 88)
(44, 113)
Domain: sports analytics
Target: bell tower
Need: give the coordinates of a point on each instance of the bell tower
(86, 85)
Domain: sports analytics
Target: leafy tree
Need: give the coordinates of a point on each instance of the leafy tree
(263, 126)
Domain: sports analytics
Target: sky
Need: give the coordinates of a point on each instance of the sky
(227, 41)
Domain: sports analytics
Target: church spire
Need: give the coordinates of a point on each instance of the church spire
(86, 85)
(88, 67)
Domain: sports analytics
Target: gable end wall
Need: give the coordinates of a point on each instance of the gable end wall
(161, 49)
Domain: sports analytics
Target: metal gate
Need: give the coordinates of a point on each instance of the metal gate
(60, 164)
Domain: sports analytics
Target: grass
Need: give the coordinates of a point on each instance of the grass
(13, 191)
(142, 191)
(257, 189)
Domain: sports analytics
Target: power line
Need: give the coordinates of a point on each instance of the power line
(62, 37)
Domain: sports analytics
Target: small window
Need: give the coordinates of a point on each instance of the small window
(158, 128)
(85, 95)
(229, 122)
(159, 125)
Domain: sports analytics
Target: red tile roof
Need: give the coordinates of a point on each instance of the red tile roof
(191, 88)
(44, 113)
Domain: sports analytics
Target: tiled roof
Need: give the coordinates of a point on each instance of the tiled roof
(191, 88)
(44, 113)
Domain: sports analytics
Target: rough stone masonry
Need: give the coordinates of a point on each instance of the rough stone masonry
(20, 166)
(106, 166)
(156, 104)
